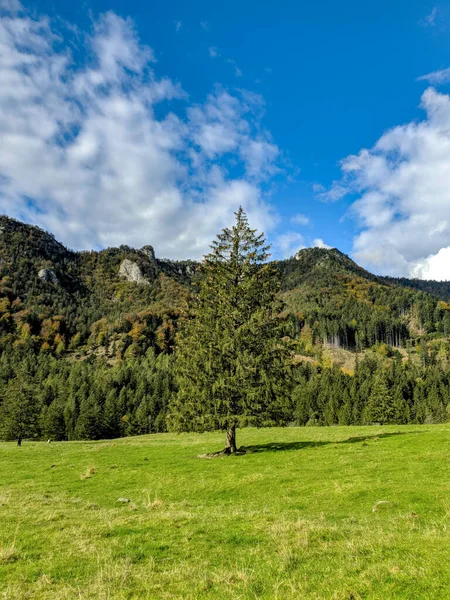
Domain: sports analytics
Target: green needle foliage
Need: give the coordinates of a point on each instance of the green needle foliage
(380, 407)
(230, 363)
(19, 411)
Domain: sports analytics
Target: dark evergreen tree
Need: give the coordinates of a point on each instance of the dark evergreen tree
(112, 423)
(380, 406)
(400, 413)
(89, 423)
(53, 423)
(19, 410)
(230, 362)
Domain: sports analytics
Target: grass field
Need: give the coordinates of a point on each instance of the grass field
(293, 519)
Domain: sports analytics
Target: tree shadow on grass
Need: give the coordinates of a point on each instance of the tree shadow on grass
(285, 446)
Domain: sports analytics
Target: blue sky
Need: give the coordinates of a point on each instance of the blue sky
(307, 87)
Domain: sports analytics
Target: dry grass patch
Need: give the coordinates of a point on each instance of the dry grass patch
(8, 554)
(89, 473)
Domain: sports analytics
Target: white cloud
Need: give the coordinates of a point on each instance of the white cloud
(11, 6)
(436, 77)
(404, 195)
(204, 25)
(289, 243)
(430, 20)
(220, 127)
(319, 243)
(318, 188)
(178, 25)
(215, 53)
(237, 70)
(83, 154)
(300, 219)
(335, 193)
(434, 266)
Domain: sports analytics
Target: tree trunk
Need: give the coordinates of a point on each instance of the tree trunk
(19, 440)
(230, 447)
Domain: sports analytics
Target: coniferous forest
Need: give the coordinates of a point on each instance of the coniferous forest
(91, 343)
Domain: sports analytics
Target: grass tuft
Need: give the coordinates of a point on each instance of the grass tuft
(8, 554)
(89, 473)
(150, 504)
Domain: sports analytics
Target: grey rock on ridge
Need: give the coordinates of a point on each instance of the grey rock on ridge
(131, 271)
(48, 275)
(149, 252)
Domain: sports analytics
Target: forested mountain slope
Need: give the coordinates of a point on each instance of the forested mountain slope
(349, 307)
(66, 300)
(86, 338)
(62, 300)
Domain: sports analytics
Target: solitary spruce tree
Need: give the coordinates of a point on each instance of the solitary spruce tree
(230, 360)
(19, 411)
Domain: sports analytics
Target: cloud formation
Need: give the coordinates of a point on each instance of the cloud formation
(403, 204)
(430, 20)
(84, 153)
(319, 243)
(289, 243)
(436, 77)
(300, 219)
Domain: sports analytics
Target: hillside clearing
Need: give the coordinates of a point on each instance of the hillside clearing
(333, 513)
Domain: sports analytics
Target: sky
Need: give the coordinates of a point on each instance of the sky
(130, 122)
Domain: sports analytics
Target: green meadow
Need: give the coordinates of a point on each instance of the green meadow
(333, 513)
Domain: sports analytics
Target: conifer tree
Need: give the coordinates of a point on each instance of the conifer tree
(400, 407)
(435, 407)
(111, 416)
(19, 411)
(230, 362)
(380, 406)
(53, 425)
(300, 397)
(89, 422)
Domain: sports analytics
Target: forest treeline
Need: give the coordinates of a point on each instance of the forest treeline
(91, 354)
(92, 399)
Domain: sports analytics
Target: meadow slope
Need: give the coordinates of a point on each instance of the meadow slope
(292, 519)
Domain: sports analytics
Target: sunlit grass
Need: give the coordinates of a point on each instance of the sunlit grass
(297, 517)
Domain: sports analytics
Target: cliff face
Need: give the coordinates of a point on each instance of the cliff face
(131, 271)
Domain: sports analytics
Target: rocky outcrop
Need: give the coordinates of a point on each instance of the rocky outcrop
(149, 252)
(131, 271)
(48, 275)
(186, 270)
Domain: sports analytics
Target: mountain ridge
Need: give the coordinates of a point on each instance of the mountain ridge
(91, 293)
(52, 247)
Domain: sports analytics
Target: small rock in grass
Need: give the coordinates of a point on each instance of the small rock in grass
(123, 500)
